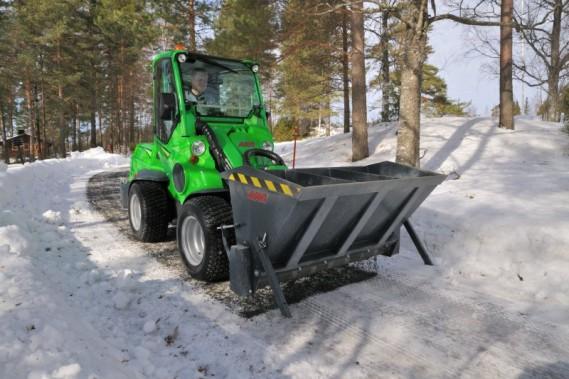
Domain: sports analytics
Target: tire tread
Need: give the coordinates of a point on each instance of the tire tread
(215, 212)
(155, 205)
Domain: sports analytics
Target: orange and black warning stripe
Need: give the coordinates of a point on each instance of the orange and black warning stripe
(265, 184)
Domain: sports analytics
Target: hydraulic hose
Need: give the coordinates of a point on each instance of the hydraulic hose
(221, 160)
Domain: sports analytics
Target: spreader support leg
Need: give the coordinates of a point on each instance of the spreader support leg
(271, 274)
(418, 243)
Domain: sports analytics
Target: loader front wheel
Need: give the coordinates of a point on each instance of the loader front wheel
(148, 211)
(199, 241)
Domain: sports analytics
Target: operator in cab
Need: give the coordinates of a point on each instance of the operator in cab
(198, 83)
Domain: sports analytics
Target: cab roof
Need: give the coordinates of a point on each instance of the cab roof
(173, 53)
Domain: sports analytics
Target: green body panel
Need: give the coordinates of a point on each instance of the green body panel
(235, 136)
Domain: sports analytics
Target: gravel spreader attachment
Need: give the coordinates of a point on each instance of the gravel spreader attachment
(292, 223)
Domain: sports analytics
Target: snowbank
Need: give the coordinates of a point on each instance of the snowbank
(44, 339)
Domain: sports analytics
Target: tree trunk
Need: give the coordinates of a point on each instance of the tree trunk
(385, 67)
(62, 125)
(328, 119)
(31, 117)
(192, 24)
(43, 117)
(5, 151)
(74, 129)
(553, 113)
(345, 70)
(10, 123)
(118, 118)
(413, 41)
(408, 136)
(77, 128)
(319, 118)
(37, 122)
(94, 83)
(506, 81)
(99, 112)
(360, 148)
(131, 133)
(93, 141)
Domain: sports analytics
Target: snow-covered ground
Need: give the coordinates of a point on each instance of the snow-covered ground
(79, 300)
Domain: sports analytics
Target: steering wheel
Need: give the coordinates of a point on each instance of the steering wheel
(262, 153)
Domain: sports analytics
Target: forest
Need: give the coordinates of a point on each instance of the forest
(76, 73)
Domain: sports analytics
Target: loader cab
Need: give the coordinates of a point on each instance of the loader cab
(188, 86)
(200, 86)
(215, 87)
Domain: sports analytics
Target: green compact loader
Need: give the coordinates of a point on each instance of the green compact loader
(239, 211)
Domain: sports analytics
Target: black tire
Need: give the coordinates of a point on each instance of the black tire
(154, 211)
(210, 212)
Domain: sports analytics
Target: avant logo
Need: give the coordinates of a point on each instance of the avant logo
(258, 197)
(246, 144)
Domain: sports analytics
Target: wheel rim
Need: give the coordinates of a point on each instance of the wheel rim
(135, 212)
(193, 240)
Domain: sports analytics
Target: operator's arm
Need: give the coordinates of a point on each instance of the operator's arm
(190, 97)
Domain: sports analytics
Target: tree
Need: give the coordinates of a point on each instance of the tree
(183, 21)
(192, 25)
(246, 29)
(550, 59)
(506, 84)
(126, 29)
(384, 43)
(310, 68)
(435, 101)
(6, 78)
(383, 52)
(412, 36)
(541, 27)
(412, 31)
(360, 149)
(346, 68)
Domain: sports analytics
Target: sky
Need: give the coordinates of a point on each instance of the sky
(463, 70)
(468, 74)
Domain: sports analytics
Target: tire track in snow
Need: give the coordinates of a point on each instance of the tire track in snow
(375, 343)
(430, 302)
(466, 337)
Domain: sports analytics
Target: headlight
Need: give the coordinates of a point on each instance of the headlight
(198, 148)
(255, 68)
(267, 146)
(182, 58)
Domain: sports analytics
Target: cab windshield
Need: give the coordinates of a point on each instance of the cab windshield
(219, 87)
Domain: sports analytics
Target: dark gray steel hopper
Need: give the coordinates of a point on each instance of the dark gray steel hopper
(290, 223)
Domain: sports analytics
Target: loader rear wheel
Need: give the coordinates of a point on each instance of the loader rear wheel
(199, 241)
(148, 211)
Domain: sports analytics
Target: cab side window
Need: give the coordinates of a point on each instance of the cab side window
(163, 84)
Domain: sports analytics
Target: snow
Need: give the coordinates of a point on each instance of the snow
(79, 300)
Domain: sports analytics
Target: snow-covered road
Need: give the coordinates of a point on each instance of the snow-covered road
(79, 299)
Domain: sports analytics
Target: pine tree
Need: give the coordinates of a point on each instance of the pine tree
(246, 29)
(183, 22)
(360, 149)
(310, 64)
(126, 29)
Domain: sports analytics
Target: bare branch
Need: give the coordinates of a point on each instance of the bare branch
(463, 20)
